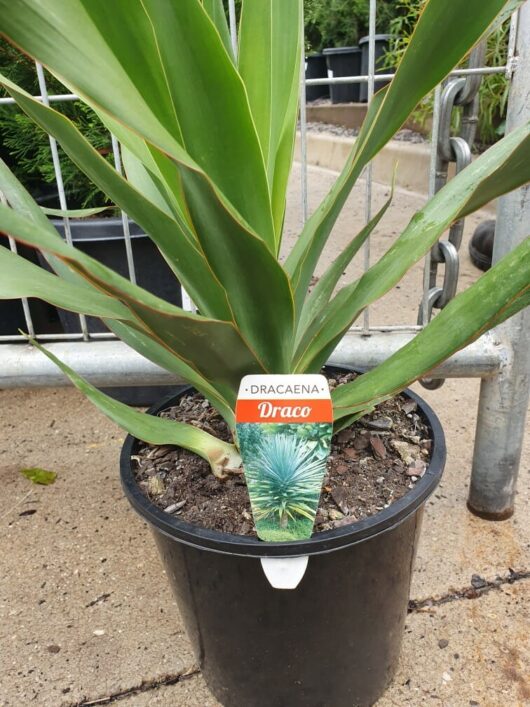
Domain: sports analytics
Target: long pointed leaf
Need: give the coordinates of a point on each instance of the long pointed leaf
(145, 182)
(216, 125)
(107, 52)
(258, 289)
(270, 47)
(503, 166)
(162, 168)
(216, 11)
(20, 200)
(213, 348)
(155, 352)
(222, 456)
(320, 296)
(75, 213)
(20, 278)
(462, 321)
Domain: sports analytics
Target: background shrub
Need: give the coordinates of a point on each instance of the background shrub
(341, 23)
(26, 148)
(493, 93)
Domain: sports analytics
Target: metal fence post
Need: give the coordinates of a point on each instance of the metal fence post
(504, 398)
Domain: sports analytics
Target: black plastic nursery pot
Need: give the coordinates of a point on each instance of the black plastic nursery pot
(335, 640)
(344, 61)
(381, 47)
(103, 239)
(44, 316)
(316, 68)
(13, 320)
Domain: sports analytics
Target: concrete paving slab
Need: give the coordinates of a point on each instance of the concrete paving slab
(80, 581)
(456, 544)
(190, 692)
(84, 608)
(471, 652)
(485, 660)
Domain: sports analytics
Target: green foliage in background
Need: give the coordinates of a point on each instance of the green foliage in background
(26, 148)
(337, 23)
(341, 23)
(493, 92)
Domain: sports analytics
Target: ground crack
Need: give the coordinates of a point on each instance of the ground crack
(477, 588)
(145, 686)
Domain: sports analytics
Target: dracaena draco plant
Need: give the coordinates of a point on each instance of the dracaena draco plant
(286, 477)
(207, 142)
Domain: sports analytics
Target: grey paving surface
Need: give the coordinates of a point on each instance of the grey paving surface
(85, 612)
(470, 670)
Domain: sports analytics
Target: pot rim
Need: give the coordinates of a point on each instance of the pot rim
(99, 230)
(330, 51)
(320, 543)
(377, 37)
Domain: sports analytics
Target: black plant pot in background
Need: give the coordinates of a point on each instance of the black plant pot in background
(334, 641)
(43, 315)
(344, 61)
(103, 239)
(11, 317)
(381, 47)
(316, 68)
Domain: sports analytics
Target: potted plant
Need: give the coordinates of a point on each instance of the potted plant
(341, 62)
(337, 26)
(382, 42)
(211, 140)
(316, 68)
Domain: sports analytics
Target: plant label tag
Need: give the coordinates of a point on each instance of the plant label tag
(284, 572)
(284, 426)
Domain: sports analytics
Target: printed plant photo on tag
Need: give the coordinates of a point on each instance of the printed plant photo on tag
(284, 468)
(284, 461)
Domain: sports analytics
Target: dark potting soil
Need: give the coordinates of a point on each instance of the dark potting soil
(372, 464)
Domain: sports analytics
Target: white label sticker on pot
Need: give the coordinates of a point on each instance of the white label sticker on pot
(284, 426)
(284, 572)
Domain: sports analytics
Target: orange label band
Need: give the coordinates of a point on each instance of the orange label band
(319, 410)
